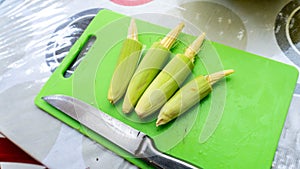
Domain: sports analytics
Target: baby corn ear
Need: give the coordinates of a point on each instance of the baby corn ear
(215, 77)
(132, 31)
(169, 40)
(150, 66)
(154, 60)
(164, 85)
(126, 65)
(188, 96)
(168, 80)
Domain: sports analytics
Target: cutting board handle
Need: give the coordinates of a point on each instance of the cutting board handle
(88, 43)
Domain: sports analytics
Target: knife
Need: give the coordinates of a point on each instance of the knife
(133, 141)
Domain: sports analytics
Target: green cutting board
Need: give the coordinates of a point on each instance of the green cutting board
(237, 126)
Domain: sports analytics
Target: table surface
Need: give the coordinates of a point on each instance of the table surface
(36, 35)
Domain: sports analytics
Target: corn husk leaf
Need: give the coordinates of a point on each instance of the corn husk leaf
(125, 68)
(164, 85)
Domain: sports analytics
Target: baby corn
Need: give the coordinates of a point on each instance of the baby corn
(168, 80)
(150, 66)
(126, 65)
(188, 96)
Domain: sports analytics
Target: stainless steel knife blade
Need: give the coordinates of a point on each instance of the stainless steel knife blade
(124, 136)
(133, 141)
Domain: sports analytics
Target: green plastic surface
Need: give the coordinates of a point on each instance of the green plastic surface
(237, 126)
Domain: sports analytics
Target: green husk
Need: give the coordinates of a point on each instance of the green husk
(169, 80)
(185, 98)
(190, 94)
(164, 85)
(126, 65)
(154, 60)
(150, 66)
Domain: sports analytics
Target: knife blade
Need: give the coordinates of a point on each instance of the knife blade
(131, 140)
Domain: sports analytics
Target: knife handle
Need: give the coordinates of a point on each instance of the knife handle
(150, 154)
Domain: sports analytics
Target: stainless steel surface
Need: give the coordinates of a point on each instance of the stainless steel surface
(115, 131)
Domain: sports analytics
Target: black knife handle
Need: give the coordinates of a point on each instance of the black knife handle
(150, 154)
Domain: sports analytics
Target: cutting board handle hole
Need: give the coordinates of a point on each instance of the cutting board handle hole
(83, 51)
